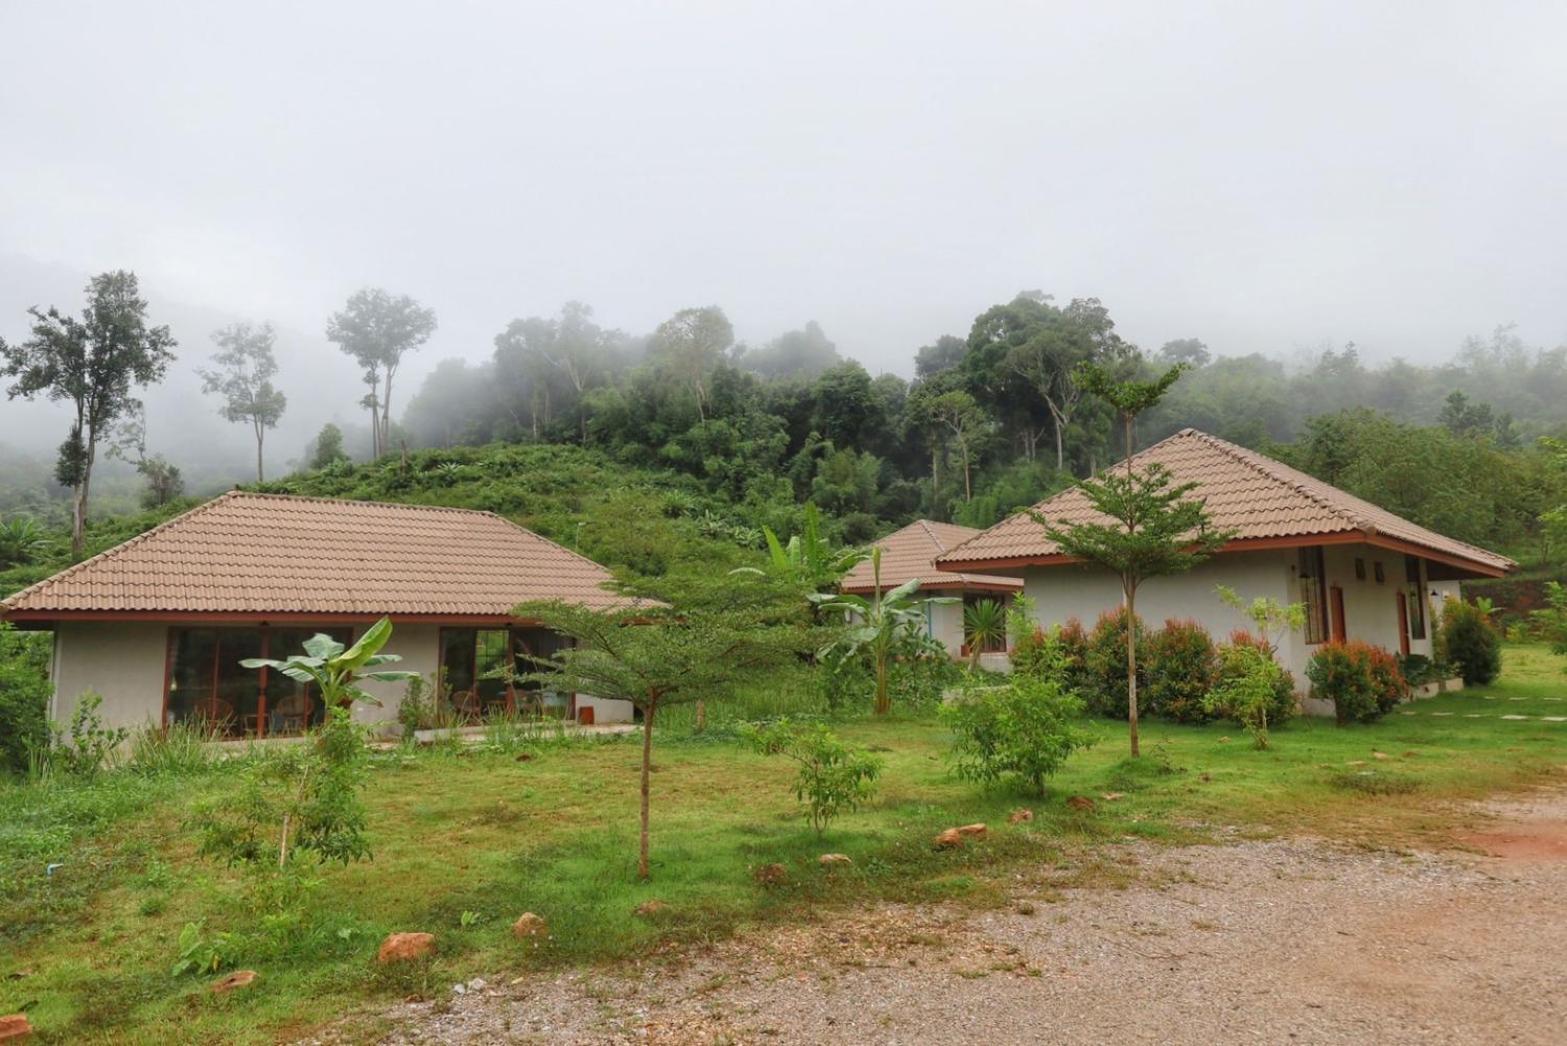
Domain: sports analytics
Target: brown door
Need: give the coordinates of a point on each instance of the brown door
(1403, 625)
(1340, 632)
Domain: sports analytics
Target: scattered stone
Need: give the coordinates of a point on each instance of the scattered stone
(1080, 802)
(771, 875)
(828, 860)
(648, 909)
(1111, 797)
(1354, 762)
(1380, 755)
(401, 947)
(237, 979)
(530, 925)
(951, 839)
(1224, 740)
(15, 1027)
(478, 984)
(977, 831)
(459, 989)
(1020, 815)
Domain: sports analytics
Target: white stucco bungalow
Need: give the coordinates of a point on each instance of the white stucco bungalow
(911, 553)
(159, 624)
(1362, 572)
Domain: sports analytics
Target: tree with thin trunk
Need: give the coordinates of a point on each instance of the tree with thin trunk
(244, 369)
(376, 328)
(960, 417)
(94, 362)
(1147, 527)
(691, 343)
(703, 637)
(1128, 397)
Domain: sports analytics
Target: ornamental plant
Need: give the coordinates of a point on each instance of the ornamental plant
(1364, 682)
(834, 777)
(1183, 666)
(1020, 732)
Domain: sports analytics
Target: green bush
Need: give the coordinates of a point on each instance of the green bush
(1363, 681)
(1472, 643)
(24, 696)
(1021, 731)
(1284, 706)
(834, 777)
(1104, 666)
(1183, 667)
(1247, 690)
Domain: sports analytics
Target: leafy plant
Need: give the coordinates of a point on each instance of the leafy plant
(808, 559)
(1471, 641)
(86, 746)
(1183, 666)
(984, 627)
(24, 696)
(22, 540)
(181, 748)
(1105, 661)
(1363, 681)
(834, 777)
(1551, 621)
(1268, 615)
(880, 627)
(1247, 690)
(1022, 731)
(201, 953)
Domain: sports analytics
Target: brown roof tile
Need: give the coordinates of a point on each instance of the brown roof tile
(1253, 495)
(910, 553)
(273, 553)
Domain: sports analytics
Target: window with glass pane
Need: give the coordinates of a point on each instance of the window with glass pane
(1417, 603)
(1312, 578)
(207, 685)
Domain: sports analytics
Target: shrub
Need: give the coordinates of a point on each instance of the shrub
(24, 696)
(1363, 681)
(1248, 689)
(1183, 667)
(834, 777)
(1232, 664)
(85, 746)
(1104, 666)
(1418, 669)
(1022, 731)
(417, 710)
(180, 749)
(1472, 643)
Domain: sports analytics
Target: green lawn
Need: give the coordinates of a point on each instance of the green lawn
(494, 834)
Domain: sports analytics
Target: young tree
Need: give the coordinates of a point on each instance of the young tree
(376, 328)
(164, 482)
(703, 637)
(243, 376)
(1149, 528)
(94, 362)
(1129, 397)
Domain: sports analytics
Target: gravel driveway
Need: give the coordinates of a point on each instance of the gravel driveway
(1292, 940)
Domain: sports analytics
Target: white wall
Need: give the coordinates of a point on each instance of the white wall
(944, 621)
(121, 660)
(1370, 609)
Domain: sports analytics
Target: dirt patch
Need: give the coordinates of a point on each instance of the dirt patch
(1258, 941)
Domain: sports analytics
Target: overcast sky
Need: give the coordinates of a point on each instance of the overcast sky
(1263, 179)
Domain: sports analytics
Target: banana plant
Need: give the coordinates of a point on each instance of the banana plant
(336, 670)
(807, 558)
(879, 626)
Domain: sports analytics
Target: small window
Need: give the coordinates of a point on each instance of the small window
(1380, 574)
(1360, 569)
(1417, 604)
(1313, 593)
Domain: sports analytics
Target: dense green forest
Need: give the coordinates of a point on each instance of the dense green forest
(632, 447)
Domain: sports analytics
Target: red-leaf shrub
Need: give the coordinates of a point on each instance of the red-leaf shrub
(1363, 681)
(1183, 666)
(1104, 665)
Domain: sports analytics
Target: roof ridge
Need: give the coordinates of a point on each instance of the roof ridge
(935, 539)
(114, 550)
(1262, 464)
(239, 492)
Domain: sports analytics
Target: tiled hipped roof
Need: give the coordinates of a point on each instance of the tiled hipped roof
(910, 553)
(271, 553)
(1252, 495)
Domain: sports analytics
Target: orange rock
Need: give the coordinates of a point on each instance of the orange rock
(530, 925)
(830, 860)
(237, 979)
(15, 1027)
(978, 831)
(949, 840)
(1020, 815)
(400, 947)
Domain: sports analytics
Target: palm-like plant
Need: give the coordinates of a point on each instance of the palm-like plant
(808, 558)
(21, 540)
(335, 670)
(984, 627)
(879, 626)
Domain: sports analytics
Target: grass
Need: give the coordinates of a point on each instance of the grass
(467, 839)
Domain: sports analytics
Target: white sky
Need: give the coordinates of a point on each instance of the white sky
(1258, 177)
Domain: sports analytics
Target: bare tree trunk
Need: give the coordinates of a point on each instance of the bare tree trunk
(883, 702)
(260, 437)
(1131, 665)
(647, 768)
(935, 475)
(968, 488)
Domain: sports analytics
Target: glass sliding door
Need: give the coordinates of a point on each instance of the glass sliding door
(210, 689)
(481, 667)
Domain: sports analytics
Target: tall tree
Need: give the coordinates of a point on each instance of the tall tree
(244, 366)
(691, 343)
(955, 414)
(376, 328)
(1148, 528)
(94, 362)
